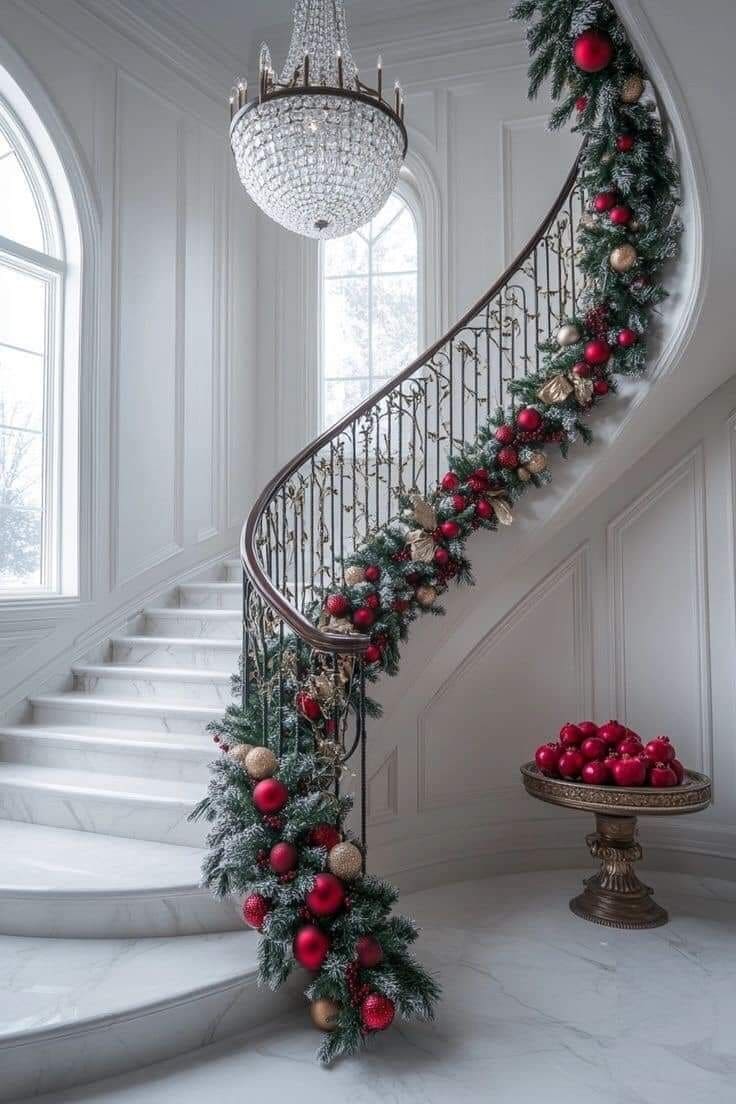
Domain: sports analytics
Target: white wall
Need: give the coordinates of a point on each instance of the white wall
(168, 355)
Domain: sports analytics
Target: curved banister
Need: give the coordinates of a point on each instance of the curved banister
(321, 639)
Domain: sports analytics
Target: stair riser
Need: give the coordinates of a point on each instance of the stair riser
(167, 725)
(203, 597)
(205, 692)
(50, 1063)
(110, 814)
(202, 656)
(233, 572)
(168, 765)
(201, 625)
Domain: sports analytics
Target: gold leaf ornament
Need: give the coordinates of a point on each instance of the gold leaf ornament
(556, 390)
(421, 545)
(424, 514)
(502, 510)
(583, 390)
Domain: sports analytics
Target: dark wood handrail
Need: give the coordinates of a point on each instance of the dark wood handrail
(355, 643)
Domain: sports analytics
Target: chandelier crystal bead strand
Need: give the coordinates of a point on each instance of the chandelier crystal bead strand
(318, 150)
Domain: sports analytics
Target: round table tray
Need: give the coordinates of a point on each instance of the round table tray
(691, 796)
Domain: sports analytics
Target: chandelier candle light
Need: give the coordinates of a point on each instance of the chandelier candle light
(318, 150)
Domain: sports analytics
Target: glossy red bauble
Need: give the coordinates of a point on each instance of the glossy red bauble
(311, 947)
(477, 486)
(484, 509)
(661, 775)
(571, 735)
(625, 143)
(308, 705)
(270, 796)
(679, 770)
(604, 201)
(363, 618)
(529, 420)
(547, 757)
(571, 762)
(401, 605)
(597, 352)
(600, 388)
(626, 338)
(377, 1012)
(630, 745)
(327, 895)
(582, 370)
(369, 951)
(450, 530)
(450, 482)
(372, 654)
(459, 503)
(595, 773)
(324, 835)
(588, 728)
(255, 910)
(620, 215)
(372, 573)
(505, 435)
(481, 474)
(337, 605)
(508, 458)
(660, 750)
(283, 858)
(372, 601)
(592, 51)
(441, 557)
(593, 748)
(629, 770)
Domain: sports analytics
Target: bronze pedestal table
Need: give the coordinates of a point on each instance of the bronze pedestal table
(615, 896)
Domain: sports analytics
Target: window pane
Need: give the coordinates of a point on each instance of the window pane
(390, 210)
(342, 395)
(394, 323)
(346, 256)
(21, 469)
(20, 548)
(345, 338)
(396, 250)
(23, 310)
(21, 389)
(19, 217)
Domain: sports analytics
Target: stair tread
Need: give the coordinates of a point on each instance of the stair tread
(179, 641)
(80, 699)
(110, 786)
(192, 612)
(102, 980)
(140, 672)
(108, 738)
(38, 859)
(227, 586)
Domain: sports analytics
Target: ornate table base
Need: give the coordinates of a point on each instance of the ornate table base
(615, 896)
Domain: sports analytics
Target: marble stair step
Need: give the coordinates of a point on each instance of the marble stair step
(168, 651)
(58, 882)
(180, 684)
(117, 805)
(177, 621)
(112, 751)
(211, 595)
(75, 1010)
(78, 708)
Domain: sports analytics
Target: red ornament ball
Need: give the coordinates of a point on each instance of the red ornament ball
(508, 458)
(459, 502)
(600, 388)
(625, 143)
(529, 420)
(450, 482)
(308, 705)
(504, 435)
(571, 735)
(612, 733)
(592, 51)
(484, 509)
(373, 602)
(595, 773)
(660, 750)
(450, 530)
(593, 748)
(662, 775)
(311, 947)
(547, 758)
(377, 1012)
(571, 763)
(363, 618)
(441, 557)
(337, 605)
(270, 796)
(581, 103)
(582, 370)
(255, 910)
(327, 895)
(597, 352)
(283, 858)
(372, 654)
(369, 951)
(372, 573)
(626, 338)
(604, 201)
(620, 215)
(401, 605)
(325, 835)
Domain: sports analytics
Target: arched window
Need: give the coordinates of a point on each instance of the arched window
(370, 307)
(32, 272)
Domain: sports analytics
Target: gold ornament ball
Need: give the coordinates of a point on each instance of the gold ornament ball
(524, 474)
(345, 861)
(426, 596)
(623, 258)
(536, 463)
(568, 334)
(261, 763)
(354, 575)
(324, 1014)
(632, 89)
(240, 753)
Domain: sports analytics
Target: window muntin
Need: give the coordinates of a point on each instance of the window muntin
(370, 307)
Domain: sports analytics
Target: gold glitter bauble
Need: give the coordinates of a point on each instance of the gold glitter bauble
(324, 1014)
(261, 763)
(632, 89)
(354, 575)
(426, 596)
(240, 753)
(623, 258)
(568, 335)
(345, 861)
(524, 474)
(536, 463)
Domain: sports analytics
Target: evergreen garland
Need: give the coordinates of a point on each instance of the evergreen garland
(400, 571)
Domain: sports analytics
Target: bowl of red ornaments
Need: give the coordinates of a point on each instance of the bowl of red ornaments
(610, 755)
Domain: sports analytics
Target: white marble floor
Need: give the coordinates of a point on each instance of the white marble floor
(539, 1006)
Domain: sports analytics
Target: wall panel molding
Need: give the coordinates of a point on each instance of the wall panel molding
(383, 790)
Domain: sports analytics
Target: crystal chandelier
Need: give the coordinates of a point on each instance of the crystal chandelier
(319, 151)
